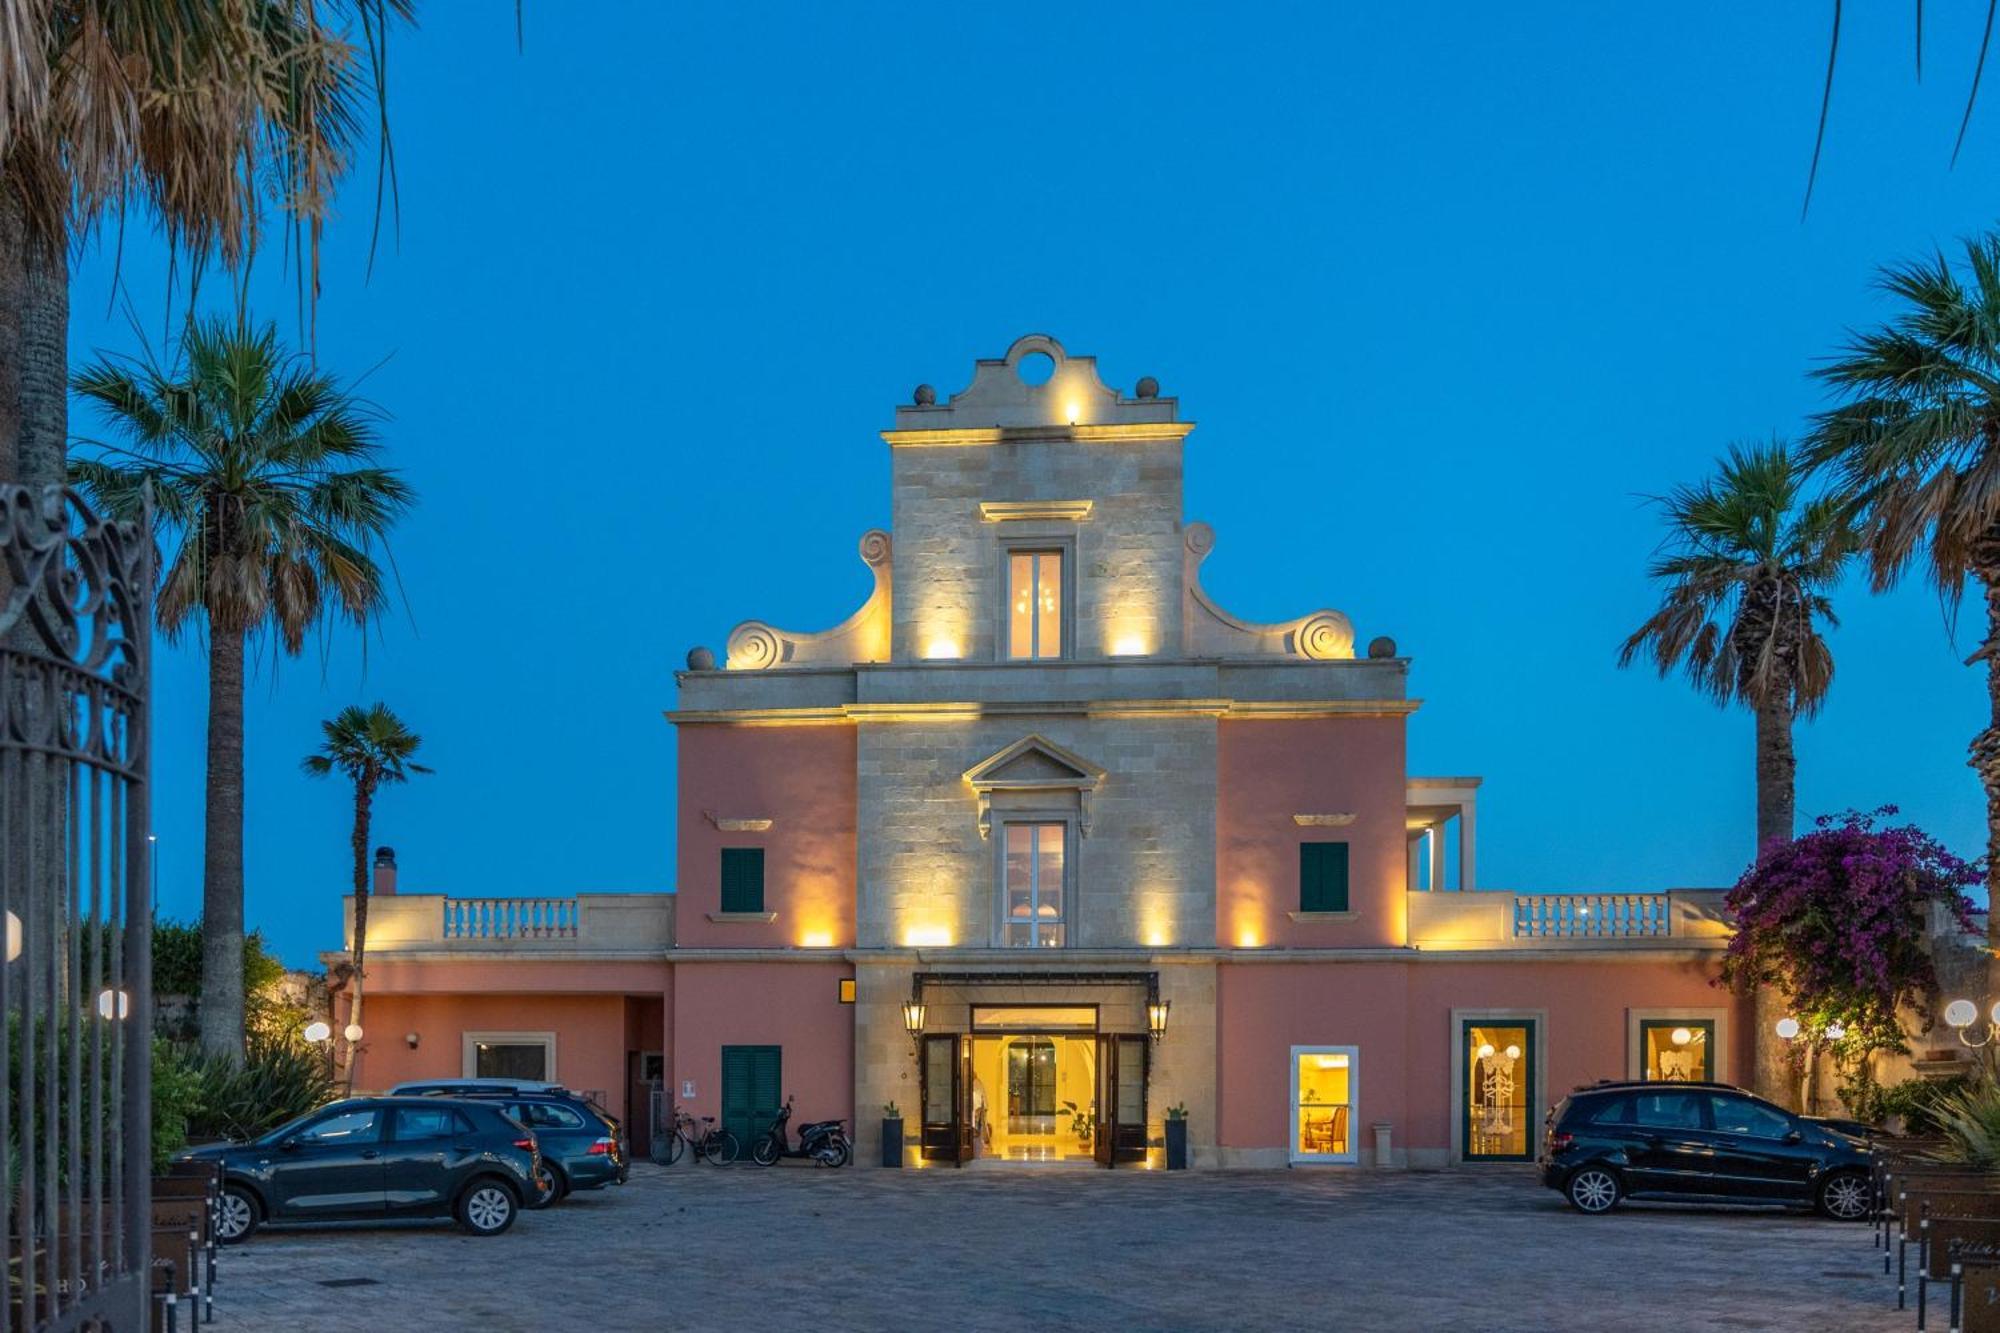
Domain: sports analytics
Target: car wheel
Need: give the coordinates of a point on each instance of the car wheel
(556, 1186)
(238, 1215)
(1844, 1196)
(486, 1208)
(1593, 1189)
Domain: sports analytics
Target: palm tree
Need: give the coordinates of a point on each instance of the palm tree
(261, 469)
(1745, 567)
(1916, 446)
(206, 115)
(371, 748)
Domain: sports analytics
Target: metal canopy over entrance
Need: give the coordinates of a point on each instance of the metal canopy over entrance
(1054, 1079)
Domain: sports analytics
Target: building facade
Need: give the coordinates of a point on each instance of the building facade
(1041, 845)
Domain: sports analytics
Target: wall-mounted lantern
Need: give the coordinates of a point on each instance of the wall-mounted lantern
(1156, 1017)
(913, 1018)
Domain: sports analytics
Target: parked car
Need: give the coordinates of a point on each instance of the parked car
(583, 1145)
(374, 1157)
(1699, 1141)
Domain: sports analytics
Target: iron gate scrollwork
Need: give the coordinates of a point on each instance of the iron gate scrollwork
(75, 986)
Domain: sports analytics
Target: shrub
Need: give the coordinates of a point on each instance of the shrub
(1970, 1120)
(176, 1093)
(281, 1078)
(1917, 1101)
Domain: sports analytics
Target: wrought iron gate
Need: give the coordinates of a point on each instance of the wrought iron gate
(75, 988)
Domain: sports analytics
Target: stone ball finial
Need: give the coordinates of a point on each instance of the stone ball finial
(1382, 646)
(926, 396)
(1148, 387)
(701, 659)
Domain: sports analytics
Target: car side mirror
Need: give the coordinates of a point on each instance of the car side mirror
(1795, 1137)
(288, 1145)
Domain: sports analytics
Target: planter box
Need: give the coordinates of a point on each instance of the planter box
(1177, 1145)
(892, 1141)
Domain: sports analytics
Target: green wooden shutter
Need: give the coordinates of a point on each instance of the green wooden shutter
(1322, 877)
(742, 879)
(751, 1076)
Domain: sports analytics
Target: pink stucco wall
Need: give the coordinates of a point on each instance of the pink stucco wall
(1399, 1015)
(589, 1031)
(793, 1005)
(800, 778)
(1269, 771)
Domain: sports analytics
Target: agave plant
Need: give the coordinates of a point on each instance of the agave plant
(1970, 1122)
(280, 1079)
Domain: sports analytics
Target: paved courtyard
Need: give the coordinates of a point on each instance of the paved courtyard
(796, 1247)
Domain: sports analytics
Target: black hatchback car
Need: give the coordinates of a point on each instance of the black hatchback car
(1699, 1141)
(378, 1157)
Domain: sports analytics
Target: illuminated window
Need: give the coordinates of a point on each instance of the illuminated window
(1323, 1088)
(1677, 1050)
(1034, 901)
(1034, 604)
(1499, 1062)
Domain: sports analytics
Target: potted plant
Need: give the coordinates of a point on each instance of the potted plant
(1177, 1137)
(892, 1135)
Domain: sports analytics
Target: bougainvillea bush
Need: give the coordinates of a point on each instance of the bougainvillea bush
(1837, 921)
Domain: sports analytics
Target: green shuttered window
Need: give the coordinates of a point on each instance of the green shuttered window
(1322, 877)
(742, 879)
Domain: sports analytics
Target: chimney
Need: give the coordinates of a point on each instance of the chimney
(385, 870)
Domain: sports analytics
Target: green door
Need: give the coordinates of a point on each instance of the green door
(751, 1076)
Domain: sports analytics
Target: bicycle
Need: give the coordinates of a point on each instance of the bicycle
(707, 1140)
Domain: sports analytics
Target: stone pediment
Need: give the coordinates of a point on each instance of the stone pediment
(1034, 764)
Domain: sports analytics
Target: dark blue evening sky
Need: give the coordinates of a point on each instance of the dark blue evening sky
(1448, 289)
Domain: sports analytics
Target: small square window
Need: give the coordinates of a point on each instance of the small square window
(847, 990)
(1322, 877)
(742, 879)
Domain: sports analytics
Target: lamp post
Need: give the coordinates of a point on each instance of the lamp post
(1961, 1016)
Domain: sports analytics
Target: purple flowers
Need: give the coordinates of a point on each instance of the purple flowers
(1838, 919)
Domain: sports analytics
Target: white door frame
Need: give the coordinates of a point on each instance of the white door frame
(469, 1054)
(1353, 1153)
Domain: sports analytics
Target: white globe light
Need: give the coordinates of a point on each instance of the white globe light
(1787, 1028)
(113, 1004)
(1996, 1013)
(318, 1031)
(353, 1032)
(1513, 1052)
(1486, 1051)
(1835, 1031)
(1961, 1013)
(1681, 1036)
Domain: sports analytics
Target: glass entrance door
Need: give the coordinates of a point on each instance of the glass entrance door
(1498, 1060)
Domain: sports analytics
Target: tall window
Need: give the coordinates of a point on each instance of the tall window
(1499, 1062)
(1034, 604)
(1035, 902)
(1677, 1050)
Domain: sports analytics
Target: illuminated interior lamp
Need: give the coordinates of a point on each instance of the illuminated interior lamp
(1787, 1027)
(1681, 1036)
(1513, 1052)
(1486, 1051)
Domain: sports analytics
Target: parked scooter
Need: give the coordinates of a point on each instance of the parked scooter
(824, 1141)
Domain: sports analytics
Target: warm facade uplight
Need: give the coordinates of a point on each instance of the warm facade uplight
(818, 939)
(942, 650)
(1129, 645)
(926, 937)
(1072, 412)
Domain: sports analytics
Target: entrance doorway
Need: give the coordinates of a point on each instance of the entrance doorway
(1035, 1097)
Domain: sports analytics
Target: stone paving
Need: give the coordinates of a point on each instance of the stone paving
(797, 1247)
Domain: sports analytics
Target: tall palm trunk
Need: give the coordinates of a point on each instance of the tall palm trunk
(1777, 769)
(44, 323)
(13, 304)
(363, 798)
(222, 851)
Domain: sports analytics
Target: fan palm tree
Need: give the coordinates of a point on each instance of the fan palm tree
(205, 115)
(371, 748)
(1916, 445)
(1747, 563)
(265, 489)
(1745, 569)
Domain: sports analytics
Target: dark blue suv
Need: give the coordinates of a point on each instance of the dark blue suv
(368, 1158)
(1699, 1141)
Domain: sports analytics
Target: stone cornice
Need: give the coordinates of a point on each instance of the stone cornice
(970, 711)
(1124, 432)
(1007, 511)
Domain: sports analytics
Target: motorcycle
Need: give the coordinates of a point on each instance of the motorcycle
(823, 1141)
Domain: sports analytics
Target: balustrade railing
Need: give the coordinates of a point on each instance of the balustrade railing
(510, 918)
(1592, 915)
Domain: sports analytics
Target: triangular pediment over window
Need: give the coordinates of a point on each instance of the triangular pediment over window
(1033, 764)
